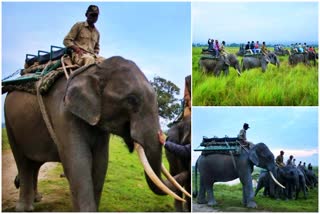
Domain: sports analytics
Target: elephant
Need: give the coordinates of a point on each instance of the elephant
(180, 168)
(282, 52)
(294, 181)
(220, 64)
(305, 58)
(222, 168)
(72, 124)
(249, 62)
(263, 182)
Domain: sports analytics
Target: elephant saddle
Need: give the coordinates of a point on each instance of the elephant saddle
(215, 145)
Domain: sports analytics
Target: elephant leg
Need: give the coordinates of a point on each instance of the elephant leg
(247, 189)
(26, 196)
(211, 200)
(37, 195)
(259, 187)
(202, 191)
(100, 166)
(77, 163)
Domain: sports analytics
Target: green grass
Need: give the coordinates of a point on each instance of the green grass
(229, 199)
(284, 86)
(125, 188)
(5, 142)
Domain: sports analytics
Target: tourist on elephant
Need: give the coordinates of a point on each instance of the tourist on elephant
(290, 160)
(252, 46)
(84, 39)
(247, 46)
(217, 48)
(224, 53)
(279, 159)
(243, 136)
(256, 48)
(294, 162)
(264, 49)
(182, 151)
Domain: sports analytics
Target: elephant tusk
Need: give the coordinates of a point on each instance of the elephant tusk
(173, 181)
(275, 180)
(152, 175)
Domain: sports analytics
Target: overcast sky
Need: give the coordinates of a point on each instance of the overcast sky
(291, 129)
(156, 36)
(259, 21)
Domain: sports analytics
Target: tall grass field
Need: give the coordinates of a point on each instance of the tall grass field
(125, 188)
(283, 86)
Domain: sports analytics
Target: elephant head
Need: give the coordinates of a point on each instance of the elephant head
(274, 59)
(116, 97)
(261, 156)
(234, 62)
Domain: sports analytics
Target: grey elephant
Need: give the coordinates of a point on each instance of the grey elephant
(216, 66)
(260, 61)
(222, 168)
(180, 167)
(72, 124)
(304, 58)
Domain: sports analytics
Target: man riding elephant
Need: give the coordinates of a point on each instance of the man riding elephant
(84, 39)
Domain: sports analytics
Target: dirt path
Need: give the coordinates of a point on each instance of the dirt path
(9, 171)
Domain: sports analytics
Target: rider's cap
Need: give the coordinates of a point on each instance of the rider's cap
(246, 125)
(93, 9)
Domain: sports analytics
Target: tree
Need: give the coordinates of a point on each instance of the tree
(169, 106)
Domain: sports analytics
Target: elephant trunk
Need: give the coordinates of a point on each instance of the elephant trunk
(278, 62)
(154, 180)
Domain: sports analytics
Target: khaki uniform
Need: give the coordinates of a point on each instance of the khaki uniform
(279, 161)
(87, 39)
(242, 135)
(264, 50)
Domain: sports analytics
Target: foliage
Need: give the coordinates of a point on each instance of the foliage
(166, 91)
(125, 188)
(284, 86)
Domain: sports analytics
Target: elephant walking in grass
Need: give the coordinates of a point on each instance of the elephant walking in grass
(260, 61)
(216, 66)
(304, 58)
(72, 125)
(224, 167)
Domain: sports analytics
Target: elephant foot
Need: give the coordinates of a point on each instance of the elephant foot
(22, 207)
(252, 204)
(212, 203)
(201, 201)
(38, 197)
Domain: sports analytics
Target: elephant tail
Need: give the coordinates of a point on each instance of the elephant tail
(195, 191)
(17, 182)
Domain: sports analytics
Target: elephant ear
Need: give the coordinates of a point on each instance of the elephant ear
(83, 98)
(253, 156)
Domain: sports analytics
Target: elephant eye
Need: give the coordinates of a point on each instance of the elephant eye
(134, 102)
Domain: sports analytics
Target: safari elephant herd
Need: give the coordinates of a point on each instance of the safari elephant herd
(220, 64)
(295, 179)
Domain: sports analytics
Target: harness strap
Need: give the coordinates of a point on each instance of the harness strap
(45, 114)
(232, 157)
